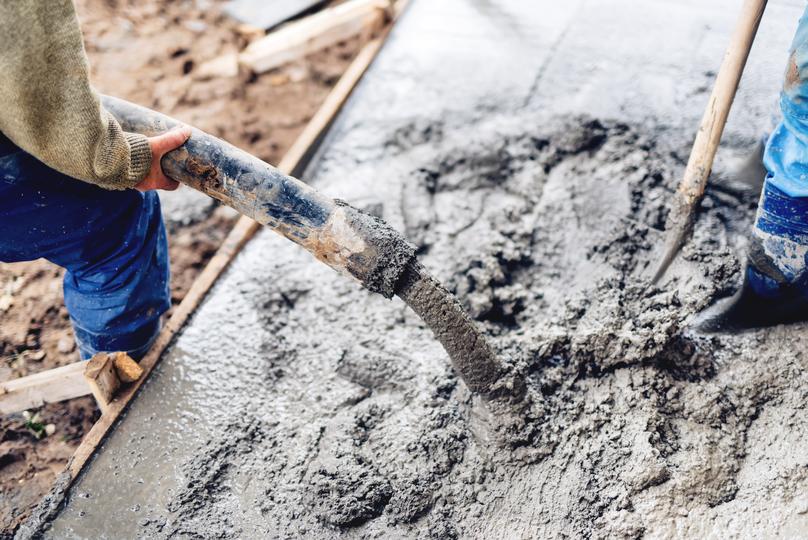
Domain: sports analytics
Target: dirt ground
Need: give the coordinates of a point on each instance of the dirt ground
(146, 52)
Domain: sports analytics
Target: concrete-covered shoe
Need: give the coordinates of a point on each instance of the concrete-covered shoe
(775, 288)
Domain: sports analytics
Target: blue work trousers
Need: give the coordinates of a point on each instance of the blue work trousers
(111, 243)
(779, 244)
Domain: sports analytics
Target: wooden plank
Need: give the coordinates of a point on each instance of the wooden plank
(313, 33)
(357, 17)
(36, 390)
(57, 384)
(241, 233)
(302, 148)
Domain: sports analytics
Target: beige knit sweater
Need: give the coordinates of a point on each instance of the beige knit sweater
(47, 106)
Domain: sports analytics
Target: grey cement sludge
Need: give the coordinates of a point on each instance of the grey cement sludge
(297, 405)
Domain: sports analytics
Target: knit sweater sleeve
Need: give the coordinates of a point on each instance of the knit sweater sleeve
(49, 108)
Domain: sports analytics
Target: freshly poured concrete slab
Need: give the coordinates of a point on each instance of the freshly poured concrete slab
(296, 405)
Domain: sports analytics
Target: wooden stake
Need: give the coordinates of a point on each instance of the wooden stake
(102, 379)
(127, 369)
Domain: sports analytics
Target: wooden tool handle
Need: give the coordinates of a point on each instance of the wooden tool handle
(349, 241)
(712, 125)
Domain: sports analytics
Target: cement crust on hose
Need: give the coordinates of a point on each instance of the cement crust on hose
(471, 356)
(390, 252)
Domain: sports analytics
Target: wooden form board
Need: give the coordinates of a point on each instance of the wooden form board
(313, 33)
(303, 37)
(68, 382)
(58, 384)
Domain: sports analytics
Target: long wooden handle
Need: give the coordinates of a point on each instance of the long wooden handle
(344, 238)
(712, 125)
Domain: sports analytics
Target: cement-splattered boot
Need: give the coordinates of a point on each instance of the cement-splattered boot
(775, 287)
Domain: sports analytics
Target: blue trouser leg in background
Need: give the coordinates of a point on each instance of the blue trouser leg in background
(112, 244)
(779, 244)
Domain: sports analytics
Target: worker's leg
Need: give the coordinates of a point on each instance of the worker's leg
(779, 246)
(112, 243)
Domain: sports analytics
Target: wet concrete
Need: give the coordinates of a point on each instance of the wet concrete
(471, 355)
(528, 150)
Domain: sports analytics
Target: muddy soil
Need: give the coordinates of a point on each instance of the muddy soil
(146, 52)
(340, 416)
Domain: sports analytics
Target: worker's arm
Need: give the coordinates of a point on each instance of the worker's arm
(49, 109)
